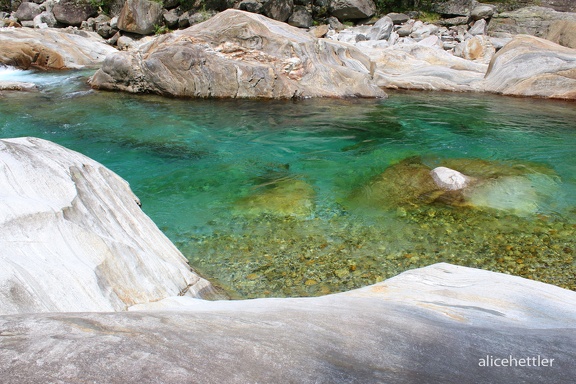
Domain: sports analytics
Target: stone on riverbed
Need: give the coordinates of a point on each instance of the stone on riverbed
(289, 197)
(435, 323)
(517, 188)
(74, 238)
(449, 179)
(238, 54)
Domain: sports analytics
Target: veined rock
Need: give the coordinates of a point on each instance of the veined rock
(237, 54)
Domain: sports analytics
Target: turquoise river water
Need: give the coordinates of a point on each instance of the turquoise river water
(287, 198)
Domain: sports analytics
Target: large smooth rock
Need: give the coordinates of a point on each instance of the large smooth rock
(416, 66)
(28, 11)
(74, 238)
(352, 9)
(140, 16)
(533, 21)
(381, 29)
(73, 12)
(52, 48)
(530, 66)
(432, 325)
(237, 54)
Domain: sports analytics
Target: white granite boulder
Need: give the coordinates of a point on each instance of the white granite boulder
(437, 324)
(74, 238)
(530, 66)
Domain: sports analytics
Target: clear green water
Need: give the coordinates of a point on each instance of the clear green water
(195, 163)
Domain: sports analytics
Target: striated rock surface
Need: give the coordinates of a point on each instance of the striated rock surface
(237, 54)
(530, 66)
(430, 325)
(74, 238)
(52, 48)
(421, 67)
(140, 16)
(562, 32)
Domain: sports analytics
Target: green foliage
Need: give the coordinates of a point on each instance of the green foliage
(385, 6)
(161, 29)
(428, 17)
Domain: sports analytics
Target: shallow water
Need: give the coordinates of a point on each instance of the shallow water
(197, 166)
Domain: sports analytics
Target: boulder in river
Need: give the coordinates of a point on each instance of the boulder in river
(237, 54)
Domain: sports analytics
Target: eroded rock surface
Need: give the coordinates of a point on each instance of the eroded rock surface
(237, 54)
(530, 66)
(74, 238)
(52, 48)
(431, 325)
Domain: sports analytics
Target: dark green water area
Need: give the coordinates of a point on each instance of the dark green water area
(310, 197)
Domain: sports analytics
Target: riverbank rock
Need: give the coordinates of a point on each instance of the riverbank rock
(237, 54)
(73, 12)
(530, 66)
(74, 238)
(140, 16)
(421, 67)
(562, 32)
(454, 7)
(533, 21)
(346, 10)
(52, 48)
(440, 324)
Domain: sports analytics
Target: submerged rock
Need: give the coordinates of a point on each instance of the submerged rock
(436, 323)
(52, 48)
(74, 238)
(238, 54)
(518, 188)
(289, 197)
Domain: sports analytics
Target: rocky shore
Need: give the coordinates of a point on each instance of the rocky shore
(92, 291)
(250, 51)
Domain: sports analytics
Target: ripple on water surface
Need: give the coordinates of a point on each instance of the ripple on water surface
(270, 198)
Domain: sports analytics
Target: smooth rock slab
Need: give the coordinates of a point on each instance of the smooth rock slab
(74, 238)
(431, 325)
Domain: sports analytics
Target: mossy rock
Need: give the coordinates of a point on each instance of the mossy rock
(287, 197)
